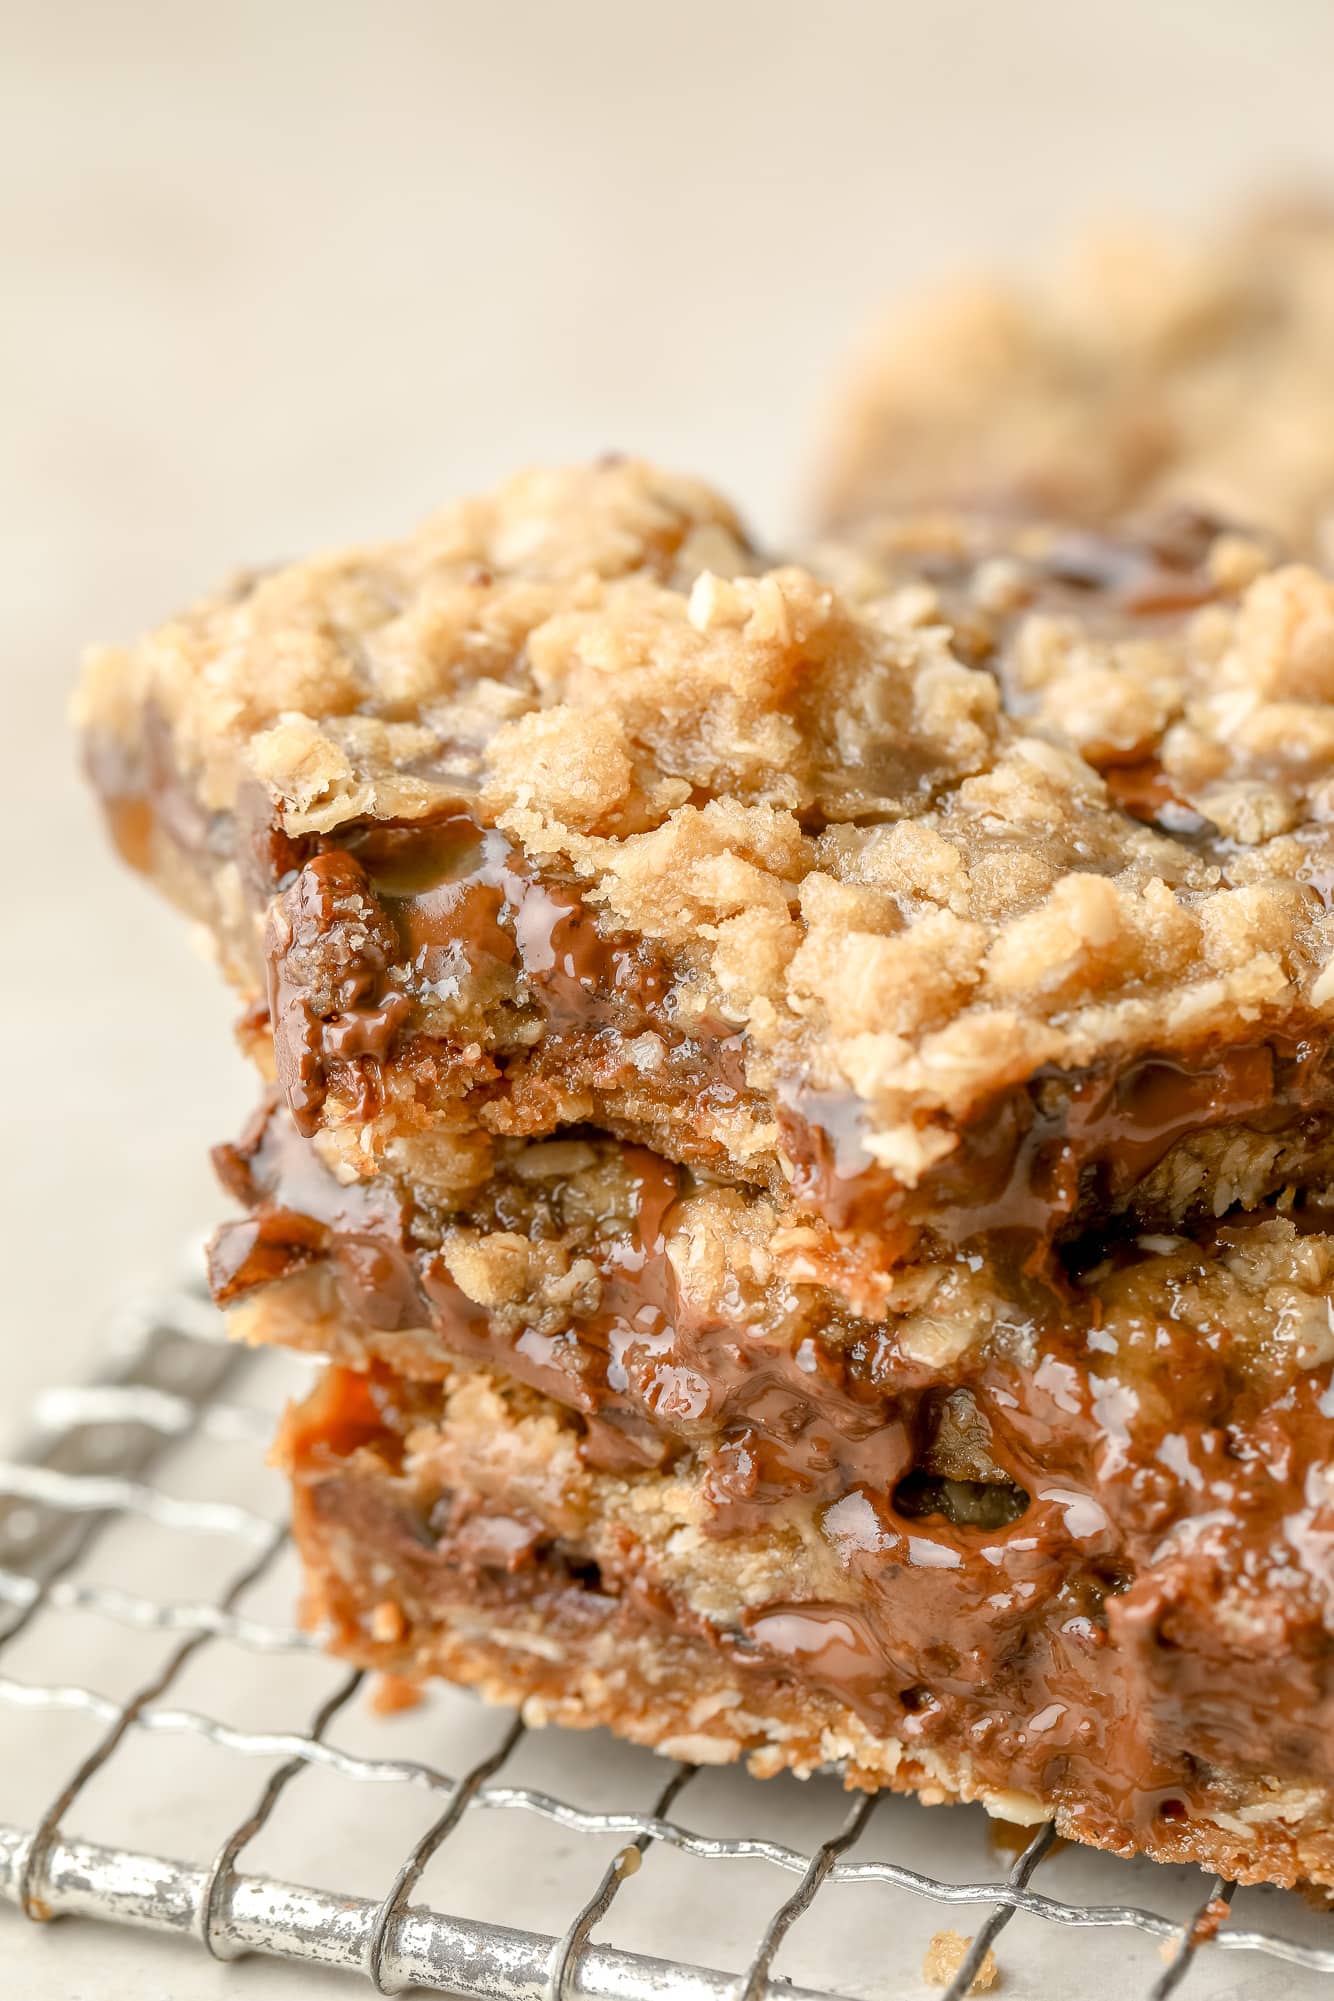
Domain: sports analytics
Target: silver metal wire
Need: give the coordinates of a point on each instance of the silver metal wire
(89, 1465)
(1179, 1965)
(624, 1864)
(461, 1796)
(212, 1935)
(756, 1982)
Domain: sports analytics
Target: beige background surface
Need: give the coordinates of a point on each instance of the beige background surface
(278, 273)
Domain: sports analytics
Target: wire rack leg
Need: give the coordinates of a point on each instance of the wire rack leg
(423, 1949)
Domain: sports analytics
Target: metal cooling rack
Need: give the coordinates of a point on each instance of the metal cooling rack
(157, 1466)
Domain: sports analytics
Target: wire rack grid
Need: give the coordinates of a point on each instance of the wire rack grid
(164, 1454)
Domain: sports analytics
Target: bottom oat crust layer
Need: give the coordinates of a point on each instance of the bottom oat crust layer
(452, 1529)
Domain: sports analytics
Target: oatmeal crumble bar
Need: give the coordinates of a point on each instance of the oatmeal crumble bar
(632, 1447)
(796, 1101)
(1147, 373)
(567, 810)
(1133, 1646)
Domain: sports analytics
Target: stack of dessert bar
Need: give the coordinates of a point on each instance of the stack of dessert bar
(797, 1095)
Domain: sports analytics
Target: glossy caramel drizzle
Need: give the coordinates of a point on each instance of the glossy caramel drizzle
(1086, 1612)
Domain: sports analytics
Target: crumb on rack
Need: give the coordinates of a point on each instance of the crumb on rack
(944, 1957)
(393, 1692)
(1209, 1921)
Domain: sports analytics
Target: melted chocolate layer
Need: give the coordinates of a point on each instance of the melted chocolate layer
(1036, 1160)
(1106, 1519)
(381, 951)
(385, 944)
(1067, 1146)
(1130, 1704)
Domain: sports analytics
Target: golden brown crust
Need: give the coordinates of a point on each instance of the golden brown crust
(1099, 479)
(1149, 372)
(1202, 688)
(802, 805)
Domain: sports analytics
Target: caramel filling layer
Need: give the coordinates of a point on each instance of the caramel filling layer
(1066, 1146)
(1051, 1530)
(367, 940)
(386, 946)
(1123, 1698)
